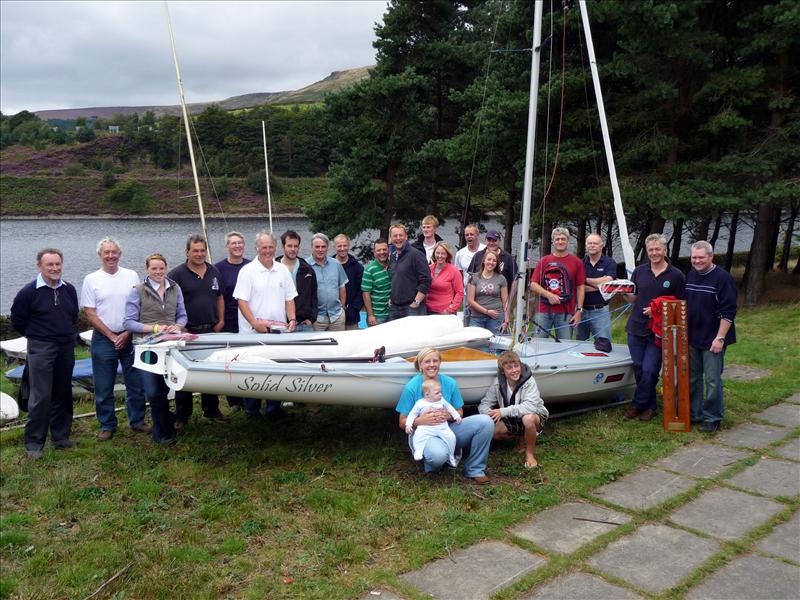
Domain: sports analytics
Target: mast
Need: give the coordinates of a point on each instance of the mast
(266, 172)
(627, 250)
(188, 131)
(533, 102)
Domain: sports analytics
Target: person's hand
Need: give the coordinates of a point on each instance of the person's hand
(292, 326)
(409, 429)
(433, 417)
(457, 419)
(218, 327)
(576, 318)
(504, 325)
(261, 327)
(647, 312)
(495, 414)
(492, 313)
(717, 346)
(553, 298)
(172, 329)
(121, 340)
(372, 321)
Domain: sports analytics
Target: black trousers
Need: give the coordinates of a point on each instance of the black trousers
(50, 403)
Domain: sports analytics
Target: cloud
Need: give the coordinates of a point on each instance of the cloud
(78, 54)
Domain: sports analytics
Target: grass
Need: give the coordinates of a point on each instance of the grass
(324, 505)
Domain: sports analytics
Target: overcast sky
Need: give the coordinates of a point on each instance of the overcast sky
(82, 54)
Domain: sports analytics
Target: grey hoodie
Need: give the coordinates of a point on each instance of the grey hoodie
(525, 399)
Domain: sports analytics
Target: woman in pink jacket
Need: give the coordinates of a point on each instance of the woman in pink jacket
(447, 288)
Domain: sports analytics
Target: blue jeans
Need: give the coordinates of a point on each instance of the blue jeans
(252, 407)
(487, 322)
(473, 433)
(596, 323)
(105, 359)
(398, 312)
(156, 390)
(646, 358)
(706, 367)
(548, 321)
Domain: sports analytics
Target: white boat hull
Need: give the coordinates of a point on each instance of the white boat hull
(565, 372)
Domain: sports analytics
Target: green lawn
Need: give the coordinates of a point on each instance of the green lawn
(327, 504)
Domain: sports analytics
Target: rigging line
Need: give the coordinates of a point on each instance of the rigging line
(465, 216)
(588, 109)
(208, 174)
(561, 116)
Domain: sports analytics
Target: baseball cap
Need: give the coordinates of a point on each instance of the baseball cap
(493, 234)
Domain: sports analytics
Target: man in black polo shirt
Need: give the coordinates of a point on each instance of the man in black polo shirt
(201, 284)
(654, 279)
(599, 269)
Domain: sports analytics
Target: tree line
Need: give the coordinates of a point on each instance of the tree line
(701, 97)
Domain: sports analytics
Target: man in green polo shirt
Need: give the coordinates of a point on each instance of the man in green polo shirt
(376, 284)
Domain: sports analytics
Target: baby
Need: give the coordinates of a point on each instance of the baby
(432, 400)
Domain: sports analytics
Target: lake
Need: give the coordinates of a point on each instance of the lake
(20, 240)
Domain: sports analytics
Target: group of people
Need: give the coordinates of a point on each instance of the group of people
(326, 292)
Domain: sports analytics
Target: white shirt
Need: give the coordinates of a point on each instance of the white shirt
(266, 292)
(107, 294)
(463, 258)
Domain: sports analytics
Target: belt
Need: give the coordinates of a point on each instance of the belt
(593, 306)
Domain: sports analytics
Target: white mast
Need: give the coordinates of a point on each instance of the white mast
(627, 250)
(188, 131)
(529, 155)
(266, 172)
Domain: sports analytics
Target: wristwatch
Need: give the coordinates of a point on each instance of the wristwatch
(720, 339)
(579, 309)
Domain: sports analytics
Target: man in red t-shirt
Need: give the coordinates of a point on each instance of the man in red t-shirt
(558, 280)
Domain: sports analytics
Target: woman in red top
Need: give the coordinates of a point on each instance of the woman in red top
(447, 287)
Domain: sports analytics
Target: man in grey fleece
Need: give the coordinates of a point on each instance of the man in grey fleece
(515, 405)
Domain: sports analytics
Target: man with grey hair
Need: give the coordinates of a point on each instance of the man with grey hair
(596, 320)
(711, 298)
(331, 282)
(558, 279)
(354, 270)
(201, 284)
(103, 298)
(655, 278)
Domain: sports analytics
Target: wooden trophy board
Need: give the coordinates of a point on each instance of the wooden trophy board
(675, 366)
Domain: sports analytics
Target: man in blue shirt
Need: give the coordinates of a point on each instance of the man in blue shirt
(331, 281)
(45, 311)
(711, 298)
(654, 279)
(600, 269)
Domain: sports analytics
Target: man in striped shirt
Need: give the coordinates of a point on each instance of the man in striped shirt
(711, 298)
(376, 284)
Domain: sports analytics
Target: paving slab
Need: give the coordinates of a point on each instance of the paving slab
(752, 435)
(380, 595)
(655, 557)
(475, 572)
(790, 450)
(770, 477)
(794, 398)
(784, 541)
(567, 527)
(750, 577)
(785, 414)
(726, 514)
(701, 460)
(581, 586)
(743, 373)
(644, 489)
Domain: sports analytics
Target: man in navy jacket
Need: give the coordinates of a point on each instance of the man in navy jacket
(711, 299)
(45, 311)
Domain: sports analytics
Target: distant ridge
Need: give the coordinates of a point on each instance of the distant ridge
(311, 93)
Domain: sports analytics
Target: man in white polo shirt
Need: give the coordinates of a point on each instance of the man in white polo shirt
(103, 298)
(265, 290)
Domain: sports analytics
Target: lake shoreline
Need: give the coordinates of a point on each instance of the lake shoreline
(111, 216)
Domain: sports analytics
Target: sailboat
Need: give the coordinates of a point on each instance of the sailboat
(369, 368)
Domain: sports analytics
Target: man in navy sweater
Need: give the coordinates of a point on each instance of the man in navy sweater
(711, 298)
(45, 311)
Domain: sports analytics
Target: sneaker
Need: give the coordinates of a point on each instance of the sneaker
(64, 445)
(709, 426)
(142, 428)
(105, 435)
(647, 414)
(34, 454)
(480, 479)
(632, 412)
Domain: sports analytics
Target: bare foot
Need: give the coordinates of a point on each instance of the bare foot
(531, 462)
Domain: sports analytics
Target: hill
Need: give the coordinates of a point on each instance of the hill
(314, 92)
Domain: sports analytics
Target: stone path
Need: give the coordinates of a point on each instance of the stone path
(739, 486)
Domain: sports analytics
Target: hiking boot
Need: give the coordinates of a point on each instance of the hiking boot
(34, 454)
(632, 412)
(64, 445)
(709, 426)
(105, 435)
(142, 428)
(647, 414)
(480, 479)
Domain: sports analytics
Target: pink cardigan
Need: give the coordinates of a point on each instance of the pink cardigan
(447, 290)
